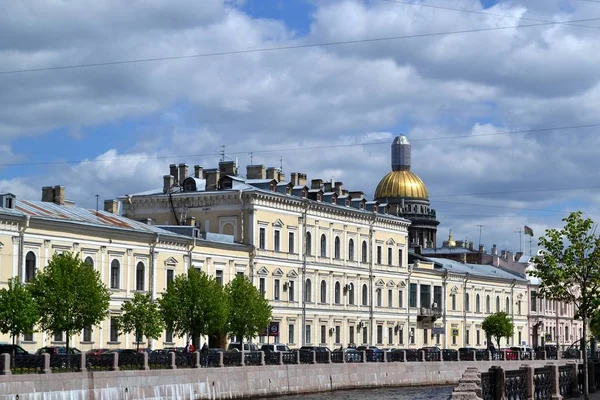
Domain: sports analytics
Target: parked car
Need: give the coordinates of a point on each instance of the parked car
(248, 347)
(274, 348)
(13, 350)
(315, 348)
(350, 354)
(175, 349)
(373, 353)
(57, 350)
(432, 353)
(121, 351)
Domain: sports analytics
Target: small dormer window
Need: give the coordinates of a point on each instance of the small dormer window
(347, 203)
(9, 203)
(362, 206)
(189, 185)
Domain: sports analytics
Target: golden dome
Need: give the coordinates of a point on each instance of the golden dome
(403, 183)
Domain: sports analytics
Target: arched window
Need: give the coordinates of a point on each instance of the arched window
(337, 248)
(351, 250)
(89, 261)
(351, 293)
(497, 303)
(337, 295)
(29, 266)
(477, 305)
(114, 274)
(307, 291)
(323, 245)
(365, 295)
(487, 304)
(378, 295)
(323, 291)
(308, 244)
(507, 305)
(467, 302)
(364, 251)
(139, 276)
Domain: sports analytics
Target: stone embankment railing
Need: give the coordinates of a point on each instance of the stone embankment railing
(45, 363)
(537, 383)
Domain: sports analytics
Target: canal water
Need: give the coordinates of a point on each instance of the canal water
(406, 393)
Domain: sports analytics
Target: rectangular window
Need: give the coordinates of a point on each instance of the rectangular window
(425, 338)
(170, 276)
(379, 255)
(520, 337)
(534, 301)
(390, 335)
(323, 334)
(426, 296)
(401, 335)
(390, 298)
(276, 289)
(412, 335)
(338, 334)
(453, 339)
(169, 337)
(291, 291)
(478, 337)
(291, 334)
(291, 242)
(277, 241)
(365, 336)
(400, 299)
(87, 334)
(114, 330)
(379, 334)
(378, 292)
(390, 256)
(412, 295)
(453, 302)
(28, 337)
(467, 334)
(437, 297)
(262, 238)
(307, 332)
(519, 307)
(219, 277)
(351, 334)
(58, 337)
(261, 286)
(400, 258)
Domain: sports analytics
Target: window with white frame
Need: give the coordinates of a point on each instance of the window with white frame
(291, 242)
(115, 274)
(277, 240)
(262, 238)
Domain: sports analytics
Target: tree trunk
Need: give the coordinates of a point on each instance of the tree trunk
(137, 337)
(67, 343)
(586, 387)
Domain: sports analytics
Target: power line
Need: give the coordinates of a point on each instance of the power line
(469, 11)
(291, 47)
(148, 157)
(519, 191)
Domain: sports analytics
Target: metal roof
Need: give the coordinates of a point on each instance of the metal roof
(476, 269)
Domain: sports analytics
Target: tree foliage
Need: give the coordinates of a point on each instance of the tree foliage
(249, 311)
(18, 310)
(498, 325)
(142, 316)
(194, 304)
(70, 296)
(569, 271)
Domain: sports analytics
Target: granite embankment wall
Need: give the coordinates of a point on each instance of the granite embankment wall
(237, 382)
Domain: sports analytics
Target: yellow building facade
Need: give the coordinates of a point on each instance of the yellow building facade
(130, 256)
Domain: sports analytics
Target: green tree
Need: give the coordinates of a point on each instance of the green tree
(249, 311)
(569, 271)
(498, 325)
(70, 296)
(142, 316)
(194, 304)
(18, 310)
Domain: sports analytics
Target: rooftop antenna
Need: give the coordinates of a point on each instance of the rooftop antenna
(222, 152)
(251, 158)
(520, 232)
(281, 163)
(97, 197)
(480, 226)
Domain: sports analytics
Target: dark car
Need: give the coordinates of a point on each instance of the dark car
(13, 350)
(432, 353)
(373, 353)
(175, 349)
(315, 348)
(57, 350)
(121, 351)
(350, 354)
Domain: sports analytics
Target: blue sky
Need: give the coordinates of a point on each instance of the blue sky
(438, 90)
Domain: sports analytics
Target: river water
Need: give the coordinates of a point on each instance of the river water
(406, 393)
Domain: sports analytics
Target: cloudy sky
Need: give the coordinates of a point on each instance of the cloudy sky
(500, 104)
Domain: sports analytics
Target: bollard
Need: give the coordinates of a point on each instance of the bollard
(172, 362)
(115, 366)
(404, 355)
(242, 359)
(474, 355)
(46, 364)
(197, 362)
(297, 356)
(262, 358)
(280, 357)
(441, 355)
(385, 356)
(313, 357)
(457, 355)
(83, 363)
(5, 364)
(329, 357)
(364, 356)
(221, 362)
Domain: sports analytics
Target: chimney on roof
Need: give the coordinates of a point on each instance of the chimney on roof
(48, 194)
(357, 195)
(190, 221)
(183, 172)
(228, 168)
(212, 179)
(494, 250)
(271, 173)
(302, 179)
(174, 172)
(518, 255)
(316, 183)
(256, 172)
(280, 176)
(503, 254)
(338, 188)
(168, 182)
(328, 187)
(111, 206)
(54, 194)
(294, 178)
(471, 246)
(481, 248)
(198, 172)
